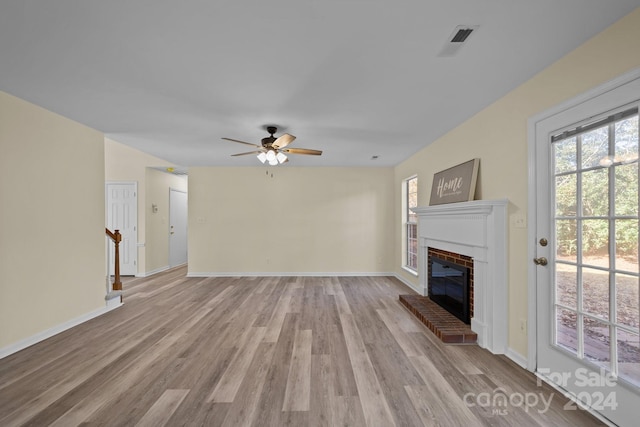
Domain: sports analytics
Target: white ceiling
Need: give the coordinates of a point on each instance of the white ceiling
(355, 78)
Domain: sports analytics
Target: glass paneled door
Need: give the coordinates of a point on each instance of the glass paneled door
(596, 289)
(586, 252)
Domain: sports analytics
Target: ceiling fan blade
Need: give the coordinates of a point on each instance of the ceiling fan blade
(283, 141)
(302, 151)
(242, 142)
(244, 154)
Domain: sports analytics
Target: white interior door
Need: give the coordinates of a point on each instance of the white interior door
(177, 227)
(587, 277)
(122, 214)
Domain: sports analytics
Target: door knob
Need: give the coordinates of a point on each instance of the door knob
(540, 261)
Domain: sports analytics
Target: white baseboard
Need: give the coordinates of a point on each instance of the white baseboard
(517, 357)
(409, 284)
(114, 303)
(304, 274)
(286, 274)
(152, 272)
(41, 336)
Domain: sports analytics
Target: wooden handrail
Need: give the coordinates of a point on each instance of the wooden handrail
(117, 238)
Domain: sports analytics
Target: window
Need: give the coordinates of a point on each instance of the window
(410, 223)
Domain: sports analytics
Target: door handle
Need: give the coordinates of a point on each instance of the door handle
(540, 261)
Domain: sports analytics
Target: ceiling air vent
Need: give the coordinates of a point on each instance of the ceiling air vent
(461, 35)
(457, 39)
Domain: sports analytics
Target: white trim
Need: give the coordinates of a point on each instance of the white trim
(477, 229)
(41, 336)
(519, 359)
(114, 303)
(586, 96)
(532, 125)
(407, 283)
(287, 274)
(152, 272)
(410, 270)
(532, 318)
(404, 205)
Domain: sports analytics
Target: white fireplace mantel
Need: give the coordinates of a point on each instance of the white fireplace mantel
(477, 229)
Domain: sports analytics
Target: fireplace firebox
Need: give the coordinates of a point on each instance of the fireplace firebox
(449, 287)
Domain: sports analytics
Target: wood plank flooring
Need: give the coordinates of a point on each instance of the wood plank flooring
(270, 351)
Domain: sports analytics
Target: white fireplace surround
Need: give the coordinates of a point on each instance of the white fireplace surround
(477, 229)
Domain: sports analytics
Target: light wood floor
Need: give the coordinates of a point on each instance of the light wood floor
(267, 352)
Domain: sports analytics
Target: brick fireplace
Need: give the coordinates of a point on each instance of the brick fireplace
(472, 232)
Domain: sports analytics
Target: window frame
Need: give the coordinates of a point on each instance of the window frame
(409, 227)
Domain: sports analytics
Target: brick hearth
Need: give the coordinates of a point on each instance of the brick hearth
(445, 325)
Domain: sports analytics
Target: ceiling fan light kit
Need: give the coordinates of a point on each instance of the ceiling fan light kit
(281, 157)
(272, 157)
(272, 149)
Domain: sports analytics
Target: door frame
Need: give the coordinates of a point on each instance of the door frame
(532, 232)
(611, 95)
(186, 193)
(106, 216)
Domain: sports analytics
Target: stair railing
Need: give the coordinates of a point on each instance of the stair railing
(116, 238)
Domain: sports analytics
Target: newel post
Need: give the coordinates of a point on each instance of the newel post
(117, 238)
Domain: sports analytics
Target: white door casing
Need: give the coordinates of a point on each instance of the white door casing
(177, 227)
(122, 214)
(614, 400)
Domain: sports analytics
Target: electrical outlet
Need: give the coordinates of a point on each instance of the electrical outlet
(523, 325)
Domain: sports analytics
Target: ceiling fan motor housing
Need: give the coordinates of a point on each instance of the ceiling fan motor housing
(268, 141)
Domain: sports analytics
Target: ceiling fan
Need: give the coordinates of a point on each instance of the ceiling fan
(273, 149)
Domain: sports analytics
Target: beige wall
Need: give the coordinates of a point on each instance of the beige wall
(52, 242)
(157, 185)
(498, 136)
(123, 163)
(344, 220)
(309, 220)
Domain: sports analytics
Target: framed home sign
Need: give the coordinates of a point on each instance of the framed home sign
(456, 184)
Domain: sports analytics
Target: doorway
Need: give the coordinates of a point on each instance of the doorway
(177, 227)
(122, 214)
(584, 278)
